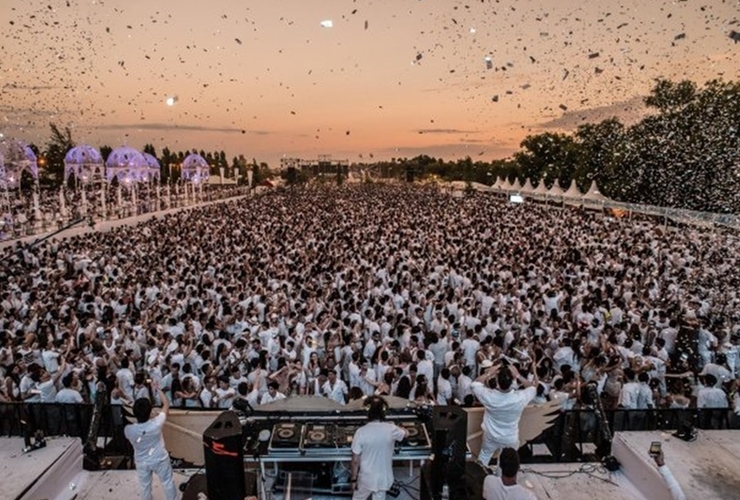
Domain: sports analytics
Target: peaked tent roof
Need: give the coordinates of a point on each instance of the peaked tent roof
(573, 191)
(594, 193)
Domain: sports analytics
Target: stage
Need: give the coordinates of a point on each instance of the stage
(706, 469)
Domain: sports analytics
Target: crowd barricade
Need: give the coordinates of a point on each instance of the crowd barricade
(567, 440)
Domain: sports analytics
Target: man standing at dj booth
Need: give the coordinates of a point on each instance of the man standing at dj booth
(372, 452)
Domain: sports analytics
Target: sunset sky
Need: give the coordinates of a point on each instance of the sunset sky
(389, 78)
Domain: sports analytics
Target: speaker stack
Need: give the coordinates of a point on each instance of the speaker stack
(224, 457)
(449, 444)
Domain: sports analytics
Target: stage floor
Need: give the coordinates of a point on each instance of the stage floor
(19, 470)
(706, 469)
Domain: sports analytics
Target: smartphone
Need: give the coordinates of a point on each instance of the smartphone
(655, 448)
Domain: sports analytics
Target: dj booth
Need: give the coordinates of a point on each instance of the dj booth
(309, 449)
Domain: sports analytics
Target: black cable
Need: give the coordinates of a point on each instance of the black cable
(405, 488)
(587, 469)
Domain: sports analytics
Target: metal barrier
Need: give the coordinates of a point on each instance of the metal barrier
(58, 419)
(565, 440)
(573, 429)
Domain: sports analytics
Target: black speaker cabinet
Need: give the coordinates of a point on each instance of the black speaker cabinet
(224, 457)
(449, 443)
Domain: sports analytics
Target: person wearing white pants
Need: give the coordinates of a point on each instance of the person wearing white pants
(504, 407)
(150, 454)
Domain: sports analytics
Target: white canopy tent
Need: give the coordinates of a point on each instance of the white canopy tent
(594, 194)
(555, 191)
(573, 195)
(541, 191)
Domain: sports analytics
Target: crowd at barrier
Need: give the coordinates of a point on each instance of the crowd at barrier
(57, 207)
(345, 292)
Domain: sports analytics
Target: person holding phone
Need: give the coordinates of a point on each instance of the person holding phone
(674, 488)
(150, 454)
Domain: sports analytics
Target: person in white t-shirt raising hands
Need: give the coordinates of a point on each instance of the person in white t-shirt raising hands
(504, 406)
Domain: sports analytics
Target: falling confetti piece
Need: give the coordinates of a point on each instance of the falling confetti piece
(171, 101)
(593, 55)
(327, 23)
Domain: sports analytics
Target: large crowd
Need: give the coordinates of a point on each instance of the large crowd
(345, 292)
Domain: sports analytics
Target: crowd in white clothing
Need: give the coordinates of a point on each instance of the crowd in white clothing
(343, 292)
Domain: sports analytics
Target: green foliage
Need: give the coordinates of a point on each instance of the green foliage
(59, 144)
(687, 155)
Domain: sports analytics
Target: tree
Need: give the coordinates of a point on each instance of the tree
(59, 144)
(105, 152)
(549, 156)
(669, 97)
(599, 150)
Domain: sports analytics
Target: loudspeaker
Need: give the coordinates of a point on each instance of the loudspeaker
(449, 443)
(686, 353)
(224, 457)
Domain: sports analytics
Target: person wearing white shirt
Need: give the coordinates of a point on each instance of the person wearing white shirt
(711, 396)
(444, 388)
(272, 394)
(464, 383)
(424, 366)
(505, 487)
(504, 407)
(67, 394)
(207, 395)
(150, 454)
(718, 369)
(372, 452)
(51, 360)
(334, 388)
(47, 384)
(224, 394)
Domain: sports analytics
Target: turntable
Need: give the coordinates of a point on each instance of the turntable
(417, 438)
(286, 435)
(344, 434)
(318, 436)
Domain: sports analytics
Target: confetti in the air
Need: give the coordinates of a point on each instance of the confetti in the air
(327, 23)
(171, 101)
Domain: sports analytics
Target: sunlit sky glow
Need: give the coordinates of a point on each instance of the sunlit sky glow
(390, 78)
